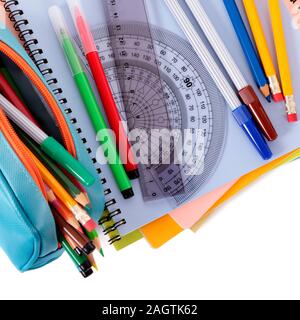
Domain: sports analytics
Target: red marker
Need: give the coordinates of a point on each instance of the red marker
(104, 89)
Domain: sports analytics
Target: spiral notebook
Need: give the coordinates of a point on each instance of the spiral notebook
(235, 156)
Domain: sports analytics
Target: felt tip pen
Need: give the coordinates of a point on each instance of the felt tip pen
(48, 144)
(240, 112)
(90, 102)
(246, 92)
(109, 104)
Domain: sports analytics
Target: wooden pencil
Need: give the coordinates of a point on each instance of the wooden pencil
(80, 214)
(283, 60)
(263, 49)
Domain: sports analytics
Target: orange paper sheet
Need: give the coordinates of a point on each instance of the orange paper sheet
(164, 229)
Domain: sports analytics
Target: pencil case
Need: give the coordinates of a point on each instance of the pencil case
(27, 228)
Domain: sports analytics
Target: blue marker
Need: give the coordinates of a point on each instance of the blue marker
(239, 110)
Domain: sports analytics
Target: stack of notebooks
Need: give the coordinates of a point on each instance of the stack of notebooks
(231, 162)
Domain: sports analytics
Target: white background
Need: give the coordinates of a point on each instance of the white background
(250, 248)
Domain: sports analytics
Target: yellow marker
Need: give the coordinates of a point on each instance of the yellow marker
(263, 49)
(283, 59)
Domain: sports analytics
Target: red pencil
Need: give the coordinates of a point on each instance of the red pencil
(104, 89)
(11, 95)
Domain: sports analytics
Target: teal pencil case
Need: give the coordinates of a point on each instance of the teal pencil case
(27, 228)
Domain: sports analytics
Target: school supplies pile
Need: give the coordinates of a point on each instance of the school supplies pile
(147, 84)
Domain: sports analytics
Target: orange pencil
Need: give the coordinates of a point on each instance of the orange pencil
(62, 210)
(80, 214)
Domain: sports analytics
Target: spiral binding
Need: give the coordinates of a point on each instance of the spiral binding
(26, 35)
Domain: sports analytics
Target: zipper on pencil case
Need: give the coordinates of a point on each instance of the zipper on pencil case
(20, 150)
(64, 129)
(42, 88)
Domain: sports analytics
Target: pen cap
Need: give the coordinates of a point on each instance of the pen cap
(247, 123)
(65, 39)
(61, 155)
(82, 26)
(59, 23)
(259, 114)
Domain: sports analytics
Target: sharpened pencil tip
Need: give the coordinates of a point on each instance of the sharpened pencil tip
(96, 267)
(101, 252)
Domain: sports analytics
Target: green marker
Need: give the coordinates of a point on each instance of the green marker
(91, 104)
(53, 168)
(48, 144)
(81, 262)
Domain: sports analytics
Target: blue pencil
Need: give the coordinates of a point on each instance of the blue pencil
(248, 48)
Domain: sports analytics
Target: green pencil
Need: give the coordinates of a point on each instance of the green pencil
(91, 104)
(94, 236)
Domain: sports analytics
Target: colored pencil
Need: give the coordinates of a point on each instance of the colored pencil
(92, 261)
(110, 106)
(240, 112)
(90, 101)
(10, 80)
(49, 145)
(283, 60)
(248, 48)
(62, 210)
(246, 92)
(38, 112)
(79, 213)
(61, 177)
(263, 49)
(79, 239)
(94, 236)
(74, 245)
(8, 91)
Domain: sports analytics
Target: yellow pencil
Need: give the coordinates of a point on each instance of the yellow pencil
(263, 49)
(283, 60)
(92, 261)
(80, 214)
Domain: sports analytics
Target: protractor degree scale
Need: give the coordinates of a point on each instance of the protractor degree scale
(191, 100)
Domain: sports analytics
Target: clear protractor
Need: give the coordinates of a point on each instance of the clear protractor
(191, 101)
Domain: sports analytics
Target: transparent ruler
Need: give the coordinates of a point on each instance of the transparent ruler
(159, 83)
